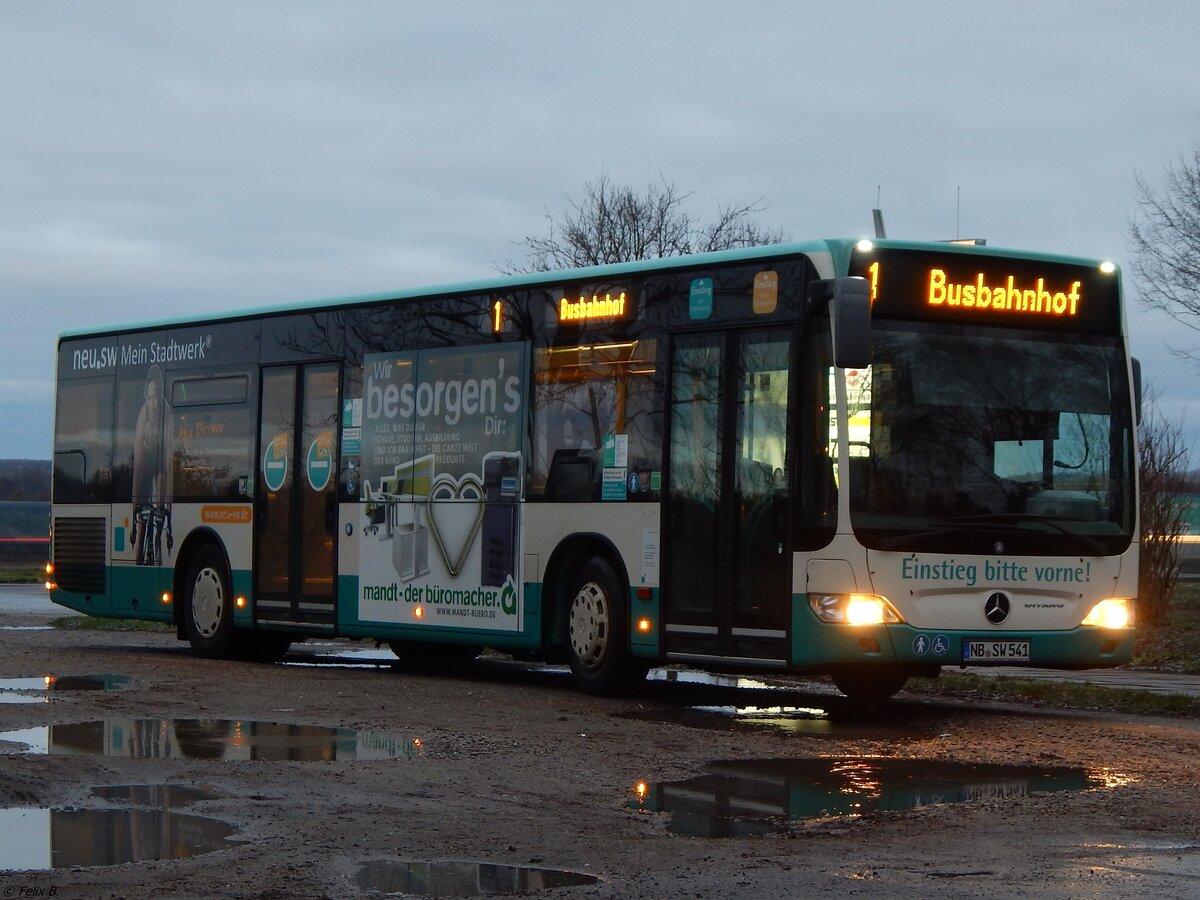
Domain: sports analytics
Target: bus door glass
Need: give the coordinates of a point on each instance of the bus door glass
(728, 570)
(295, 494)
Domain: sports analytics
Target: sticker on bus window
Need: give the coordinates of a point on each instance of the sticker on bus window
(275, 462)
(612, 484)
(766, 293)
(319, 466)
(700, 299)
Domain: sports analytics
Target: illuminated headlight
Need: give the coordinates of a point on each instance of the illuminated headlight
(853, 609)
(1111, 613)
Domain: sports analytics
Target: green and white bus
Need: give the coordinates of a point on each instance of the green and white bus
(865, 459)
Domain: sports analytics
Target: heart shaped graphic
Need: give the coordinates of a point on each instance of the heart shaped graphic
(447, 487)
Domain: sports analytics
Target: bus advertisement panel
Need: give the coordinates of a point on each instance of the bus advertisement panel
(441, 445)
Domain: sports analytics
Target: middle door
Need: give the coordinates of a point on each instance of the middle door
(726, 588)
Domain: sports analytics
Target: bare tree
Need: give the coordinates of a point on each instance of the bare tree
(1163, 460)
(615, 223)
(1165, 242)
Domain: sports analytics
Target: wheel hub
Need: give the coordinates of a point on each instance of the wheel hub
(589, 624)
(208, 602)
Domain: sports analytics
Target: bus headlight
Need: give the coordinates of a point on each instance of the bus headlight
(854, 609)
(1114, 612)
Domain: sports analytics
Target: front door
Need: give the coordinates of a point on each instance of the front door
(726, 586)
(295, 560)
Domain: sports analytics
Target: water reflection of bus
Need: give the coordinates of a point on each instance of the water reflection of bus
(869, 460)
(748, 797)
(222, 739)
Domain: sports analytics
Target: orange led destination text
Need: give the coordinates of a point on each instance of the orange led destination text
(1005, 297)
(606, 307)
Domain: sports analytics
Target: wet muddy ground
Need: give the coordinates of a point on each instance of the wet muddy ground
(138, 771)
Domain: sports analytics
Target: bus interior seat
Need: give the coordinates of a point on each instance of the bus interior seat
(574, 475)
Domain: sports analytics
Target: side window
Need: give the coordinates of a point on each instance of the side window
(83, 434)
(596, 407)
(211, 437)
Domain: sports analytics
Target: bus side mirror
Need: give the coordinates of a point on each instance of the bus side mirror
(1137, 390)
(850, 308)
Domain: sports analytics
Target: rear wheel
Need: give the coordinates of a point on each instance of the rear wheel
(208, 606)
(597, 619)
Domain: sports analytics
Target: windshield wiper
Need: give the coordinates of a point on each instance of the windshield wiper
(1010, 522)
(1053, 522)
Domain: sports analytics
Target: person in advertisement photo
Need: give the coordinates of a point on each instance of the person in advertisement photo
(152, 487)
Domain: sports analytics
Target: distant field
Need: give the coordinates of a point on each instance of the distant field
(24, 530)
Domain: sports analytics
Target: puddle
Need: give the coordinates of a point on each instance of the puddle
(56, 683)
(332, 655)
(1176, 859)
(221, 739)
(743, 798)
(837, 720)
(462, 879)
(162, 796)
(798, 719)
(690, 676)
(40, 839)
(12, 697)
(26, 627)
(698, 699)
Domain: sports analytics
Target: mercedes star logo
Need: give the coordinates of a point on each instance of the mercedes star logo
(996, 607)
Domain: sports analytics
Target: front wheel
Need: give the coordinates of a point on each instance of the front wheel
(597, 631)
(208, 606)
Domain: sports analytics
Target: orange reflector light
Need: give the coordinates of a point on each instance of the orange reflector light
(240, 602)
(643, 625)
(419, 612)
(49, 568)
(166, 598)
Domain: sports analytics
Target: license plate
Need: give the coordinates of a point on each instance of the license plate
(995, 651)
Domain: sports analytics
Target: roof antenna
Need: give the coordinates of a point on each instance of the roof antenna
(877, 214)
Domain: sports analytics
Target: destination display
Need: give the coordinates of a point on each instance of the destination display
(596, 303)
(989, 290)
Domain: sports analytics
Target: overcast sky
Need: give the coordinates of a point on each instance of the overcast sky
(169, 158)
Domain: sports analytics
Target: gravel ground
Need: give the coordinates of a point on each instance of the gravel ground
(505, 763)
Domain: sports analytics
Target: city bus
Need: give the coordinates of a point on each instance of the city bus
(862, 459)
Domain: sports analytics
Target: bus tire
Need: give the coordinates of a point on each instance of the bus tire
(597, 626)
(867, 682)
(208, 605)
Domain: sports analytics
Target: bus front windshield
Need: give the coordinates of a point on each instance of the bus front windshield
(990, 441)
